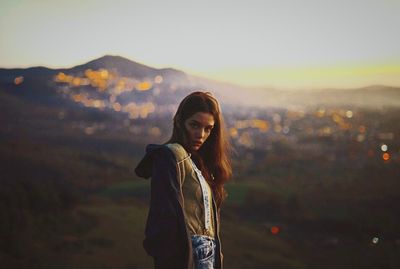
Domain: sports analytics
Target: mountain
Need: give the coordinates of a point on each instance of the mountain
(135, 83)
(124, 66)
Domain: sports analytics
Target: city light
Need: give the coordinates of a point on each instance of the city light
(18, 80)
(360, 138)
(384, 147)
(233, 132)
(349, 114)
(262, 125)
(154, 131)
(103, 89)
(275, 230)
(144, 86)
(158, 79)
(386, 156)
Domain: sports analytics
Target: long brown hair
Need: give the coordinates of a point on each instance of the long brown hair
(213, 156)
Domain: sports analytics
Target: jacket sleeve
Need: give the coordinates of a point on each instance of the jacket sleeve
(162, 227)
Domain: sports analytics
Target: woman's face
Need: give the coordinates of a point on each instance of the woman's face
(198, 128)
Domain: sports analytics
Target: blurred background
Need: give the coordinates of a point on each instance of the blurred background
(310, 93)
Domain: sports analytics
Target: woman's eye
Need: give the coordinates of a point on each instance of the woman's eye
(194, 125)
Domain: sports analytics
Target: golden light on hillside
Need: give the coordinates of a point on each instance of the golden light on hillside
(112, 98)
(325, 131)
(262, 125)
(233, 132)
(77, 97)
(146, 109)
(61, 77)
(139, 110)
(277, 128)
(241, 124)
(88, 102)
(106, 81)
(121, 84)
(76, 82)
(117, 107)
(18, 80)
(99, 104)
(154, 131)
(101, 85)
(337, 118)
(83, 99)
(134, 114)
(276, 118)
(98, 79)
(246, 140)
(89, 73)
(98, 76)
(104, 74)
(295, 114)
(320, 113)
(144, 86)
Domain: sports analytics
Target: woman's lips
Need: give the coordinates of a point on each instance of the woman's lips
(197, 144)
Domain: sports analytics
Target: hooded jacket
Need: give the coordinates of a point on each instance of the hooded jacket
(167, 239)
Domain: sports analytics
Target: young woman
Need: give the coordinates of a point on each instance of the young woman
(188, 174)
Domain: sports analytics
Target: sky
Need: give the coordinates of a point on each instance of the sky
(280, 44)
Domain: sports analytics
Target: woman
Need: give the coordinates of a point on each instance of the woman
(187, 187)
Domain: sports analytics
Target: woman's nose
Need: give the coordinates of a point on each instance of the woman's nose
(200, 133)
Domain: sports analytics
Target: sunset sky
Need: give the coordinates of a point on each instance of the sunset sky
(282, 44)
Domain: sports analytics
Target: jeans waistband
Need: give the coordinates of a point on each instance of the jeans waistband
(195, 236)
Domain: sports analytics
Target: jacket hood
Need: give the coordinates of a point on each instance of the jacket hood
(145, 166)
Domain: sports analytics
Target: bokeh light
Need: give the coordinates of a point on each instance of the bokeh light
(386, 156)
(18, 80)
(362, 129)
(275, 230)
(349, 114)
(384, 147)
(144, 86)
(158, 79)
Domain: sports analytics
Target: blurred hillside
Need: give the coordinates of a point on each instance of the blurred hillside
(315, 172)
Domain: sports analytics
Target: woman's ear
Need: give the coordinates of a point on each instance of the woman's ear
(177, 121)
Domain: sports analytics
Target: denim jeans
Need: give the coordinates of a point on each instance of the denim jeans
(203, 251)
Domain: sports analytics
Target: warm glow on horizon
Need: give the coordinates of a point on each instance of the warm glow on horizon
(312, 77)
